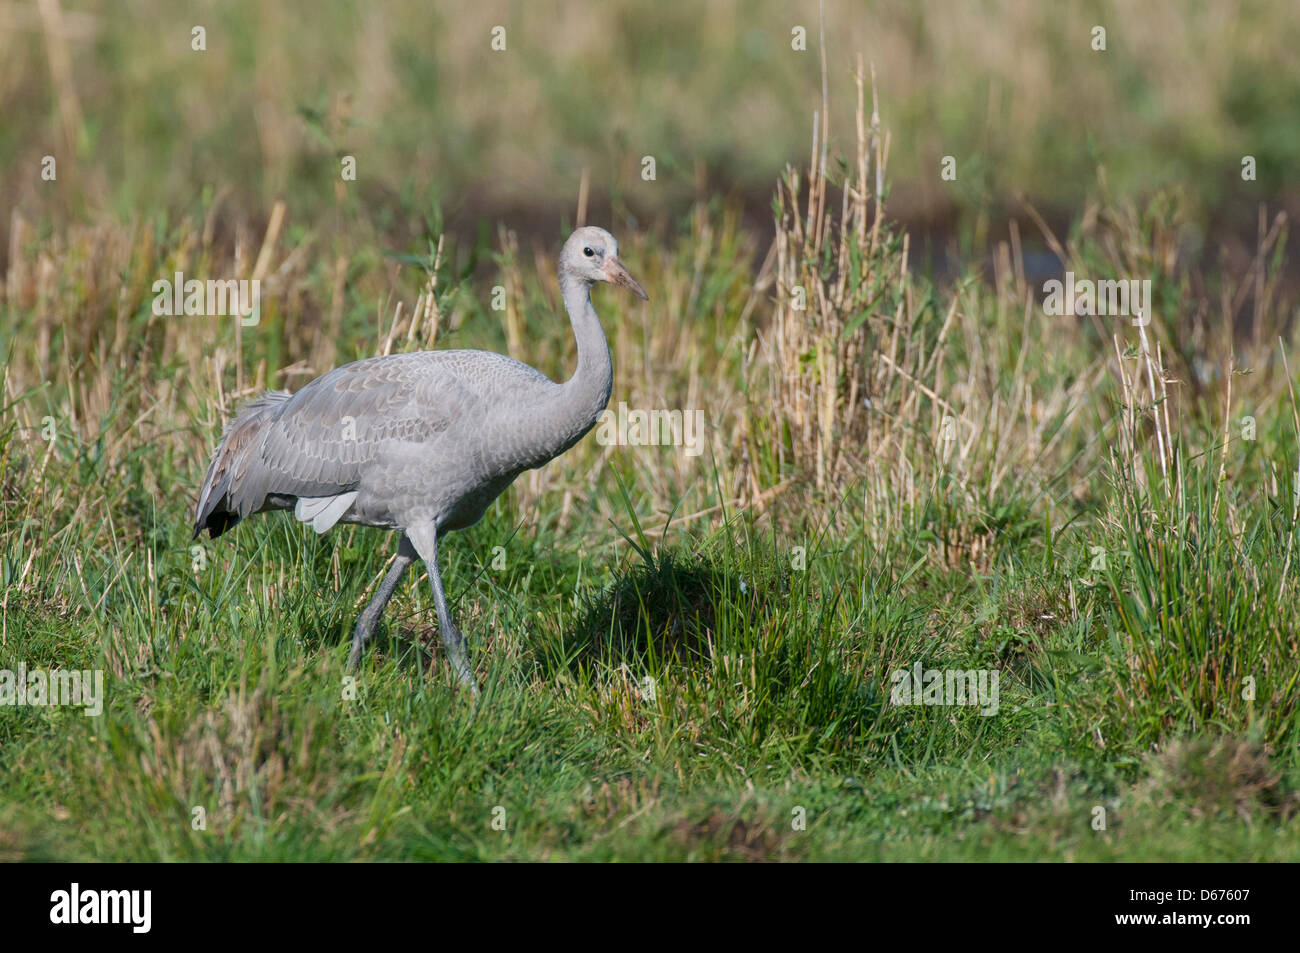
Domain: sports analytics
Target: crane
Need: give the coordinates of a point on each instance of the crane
(417, 443)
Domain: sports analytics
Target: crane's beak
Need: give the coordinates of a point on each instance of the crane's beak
(616, 274)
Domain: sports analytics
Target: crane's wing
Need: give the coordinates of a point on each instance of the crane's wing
(316, 444)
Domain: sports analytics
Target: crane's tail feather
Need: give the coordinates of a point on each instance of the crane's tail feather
(221, 505)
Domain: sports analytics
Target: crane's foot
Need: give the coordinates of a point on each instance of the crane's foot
(360, 636)
(354, 657)
(454, 644)
(369, 618)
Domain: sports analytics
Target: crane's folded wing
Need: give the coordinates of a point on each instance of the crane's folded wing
(318, 443)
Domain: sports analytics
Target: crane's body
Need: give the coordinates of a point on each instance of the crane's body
(419, 443)
(390, 441)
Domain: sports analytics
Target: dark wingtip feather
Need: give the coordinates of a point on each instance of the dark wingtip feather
(216, 523)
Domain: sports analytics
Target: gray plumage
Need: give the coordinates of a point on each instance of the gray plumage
(420, 443)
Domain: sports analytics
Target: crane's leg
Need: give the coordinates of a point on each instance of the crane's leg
(370, 614)
(425, 540)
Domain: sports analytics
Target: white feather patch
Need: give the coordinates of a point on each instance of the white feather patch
(322, 512)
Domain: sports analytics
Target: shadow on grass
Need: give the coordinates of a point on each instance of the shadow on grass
(666, 610)
(684, 611)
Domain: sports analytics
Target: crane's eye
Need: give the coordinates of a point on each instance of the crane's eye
(588, 252)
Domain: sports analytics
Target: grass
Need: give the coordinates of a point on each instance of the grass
(683, 658)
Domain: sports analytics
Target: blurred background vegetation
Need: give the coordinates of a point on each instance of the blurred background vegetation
(443, 128)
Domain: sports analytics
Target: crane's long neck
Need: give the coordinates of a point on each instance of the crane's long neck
(583, 396)
(594, 378)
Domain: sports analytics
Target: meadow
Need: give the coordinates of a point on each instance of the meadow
(683, 656)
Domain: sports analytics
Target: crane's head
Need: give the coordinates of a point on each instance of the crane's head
(591, 255)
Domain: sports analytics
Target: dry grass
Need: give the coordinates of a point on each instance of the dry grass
(1208, 776)
(870, 387)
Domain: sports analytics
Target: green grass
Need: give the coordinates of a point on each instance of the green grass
(682, 657)
(227, 692)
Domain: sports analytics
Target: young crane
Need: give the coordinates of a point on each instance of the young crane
(419, 443)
